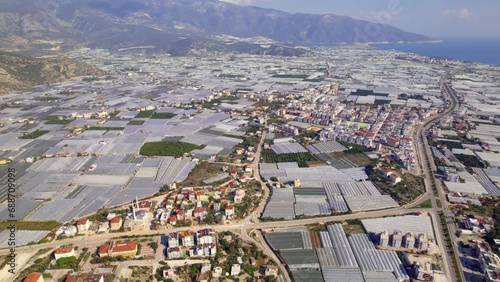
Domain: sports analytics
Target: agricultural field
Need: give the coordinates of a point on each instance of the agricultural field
(56, 120)
(200, 173)
(410, 188)
(470, 160)
(135, 122)
(162, 116)
(34, 134)
(167, 148)
(31, 225)
(145, 114)
(359, 159)
(269, 156)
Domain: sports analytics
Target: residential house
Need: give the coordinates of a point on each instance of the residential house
(235, 270)
(200, 212)
(64, 252)
(174, 253)
(239, 194)
(187, 238)
(173, 220)
(229, 210)
(205, 268)
(217, 272)
(180, 215)
(395, 177)
(386, 171)
(206, 236)
(392, 142)
(83, 224)
(248, 168)
(115, 223)
(173, 240)
(103, 227)
(201, 196)
(271, 270)
(34, 277)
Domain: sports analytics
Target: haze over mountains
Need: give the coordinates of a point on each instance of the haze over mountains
(174, 26)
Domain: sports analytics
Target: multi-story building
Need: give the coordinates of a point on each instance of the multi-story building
(423, 242)
(173, 240)
(206, 236)
(490, 264)
(397, 239)
(383, 239)
(187, 238)
(174, 253)
(409, 240)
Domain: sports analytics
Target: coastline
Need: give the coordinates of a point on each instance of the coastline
(476, 50)
(405, 42)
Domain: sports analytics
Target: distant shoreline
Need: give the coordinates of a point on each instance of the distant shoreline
(476, 50)
(405, 42)
(368, 43)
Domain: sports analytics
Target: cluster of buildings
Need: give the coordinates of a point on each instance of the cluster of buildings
(407, 241)
(189, 204)
(86, 226)
(391, 175)
(202, 243)
(489, 262)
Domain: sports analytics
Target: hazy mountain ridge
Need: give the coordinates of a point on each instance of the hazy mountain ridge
(113, 24)
(20, 72)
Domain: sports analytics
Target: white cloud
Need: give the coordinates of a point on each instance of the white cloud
(463, 14)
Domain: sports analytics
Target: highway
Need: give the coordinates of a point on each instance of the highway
(428, 167)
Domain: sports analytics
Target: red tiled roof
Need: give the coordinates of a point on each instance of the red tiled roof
(82, 221)
(63, 250)
(198, 210)
(116, 220)
(32, 277)
(118, 248)
(386, 170)
(144, 205)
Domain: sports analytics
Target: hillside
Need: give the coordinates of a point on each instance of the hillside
(20, 72)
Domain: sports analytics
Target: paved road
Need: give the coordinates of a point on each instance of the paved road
(428, 168)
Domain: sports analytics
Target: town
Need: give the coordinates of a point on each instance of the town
(346, 164)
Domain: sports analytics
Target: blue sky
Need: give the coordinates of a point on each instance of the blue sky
(435, 18)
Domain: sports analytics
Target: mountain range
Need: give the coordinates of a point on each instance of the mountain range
(177, 26)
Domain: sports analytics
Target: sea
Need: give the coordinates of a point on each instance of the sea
(481, 50)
